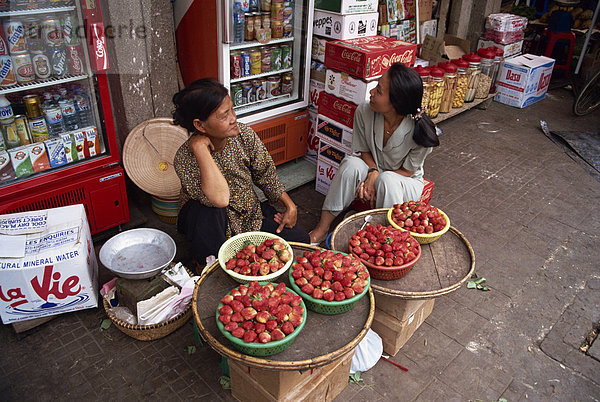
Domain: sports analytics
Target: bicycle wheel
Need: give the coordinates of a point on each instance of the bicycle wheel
(589, 97)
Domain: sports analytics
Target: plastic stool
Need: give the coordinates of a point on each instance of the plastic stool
(553, 37)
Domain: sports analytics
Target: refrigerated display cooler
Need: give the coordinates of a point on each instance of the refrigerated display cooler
(59, 145)
(259, 50)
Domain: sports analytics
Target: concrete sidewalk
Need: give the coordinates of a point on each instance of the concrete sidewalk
(528, 209)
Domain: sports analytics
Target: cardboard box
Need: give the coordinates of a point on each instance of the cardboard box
(394, 332)
(428, 28)
(427, 191)
(504, 22)
(318, 48)
(451, 47)
(334, 133)
(523, 80)
(7, 171)
(338, 26)
(401, 309)
(331, 154)
(509, 50)
(325, 173)
(47, 264)
(347, 87)
(425, 9)
(368, 57)
(315, 87)
(312, 141)
(347, 6)
(337, 109)
(320, 384)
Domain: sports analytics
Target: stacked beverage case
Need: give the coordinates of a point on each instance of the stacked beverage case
(51, 125)
(260, 22)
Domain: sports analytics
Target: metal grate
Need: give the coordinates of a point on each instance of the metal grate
(271, 132)
(70, 197)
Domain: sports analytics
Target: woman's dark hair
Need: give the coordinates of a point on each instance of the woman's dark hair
(197, 101)
(406, 92)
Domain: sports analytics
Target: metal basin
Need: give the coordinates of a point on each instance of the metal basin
(138, 253)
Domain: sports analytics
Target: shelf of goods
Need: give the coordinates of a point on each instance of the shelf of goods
(466, 106)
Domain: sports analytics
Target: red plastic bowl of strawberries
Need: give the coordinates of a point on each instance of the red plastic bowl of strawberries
(388, 253)
(261, 318)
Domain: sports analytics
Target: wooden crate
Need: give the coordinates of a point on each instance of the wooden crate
(395, 333)
(320, 384)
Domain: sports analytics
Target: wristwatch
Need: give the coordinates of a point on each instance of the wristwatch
(372, 170)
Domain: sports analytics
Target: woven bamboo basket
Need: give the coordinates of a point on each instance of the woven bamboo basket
(154, 331)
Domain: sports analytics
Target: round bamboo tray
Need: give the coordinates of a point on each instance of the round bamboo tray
(154, 331)
(350, 328)
(443, 267)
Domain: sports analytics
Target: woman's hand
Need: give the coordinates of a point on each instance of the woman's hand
(366, 190)
(289, 217)
(199, 143)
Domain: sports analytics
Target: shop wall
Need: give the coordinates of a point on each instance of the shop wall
(143, 75)
(467, 17)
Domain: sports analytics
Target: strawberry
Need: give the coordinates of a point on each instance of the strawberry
(317, 293)
(250, 336)
(315, 281)
(357, 288)
(346, 282)
(269, 242)
(337, 286)
(325, 285)
(247, 325)
(287, 298)
(225, 319)
(264, 337)
(264, 269)
(308, 289)
(268, 254)
(246, 300)
(287, 328)
(301, 281)
(259, 327)
(349, 293)
(297, 273)
(230, 326)
(262, 317)
(271, 325)
(296, 301)
(327, 275)
(281, 287)
(237, 317)
(328, 295)
(238, 332)
(339, 296)
(225, 310)
(277, 334)
(284, 255)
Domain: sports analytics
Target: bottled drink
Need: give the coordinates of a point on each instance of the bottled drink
(6, 111)
(83, 107)
(35, 115)
(239, 23)
(7, 121)
(67, 107)
(53, 116)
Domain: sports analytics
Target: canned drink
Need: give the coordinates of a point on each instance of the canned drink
(257, 23)
(276, 29)
(22, 129)
(3, 44)
(41, 64)
(15, 37)
(7, 72)
(255, 67)
(277, 11)
(58, 61)
(52, 32)
(33, 107)
(235, 61)
(265, 5)
(273, 85)
(287, 30)
(236, 94)
(69, 34)
(23, 68)
(246, 89)
(265, 19)
(33, 34)
(249, 27)
(275, 58)
(256, 88)
(265, 59)
(288, 11)
(286, 56)
(75, 60)
(246, 64)
(261, 89)
(287, 83)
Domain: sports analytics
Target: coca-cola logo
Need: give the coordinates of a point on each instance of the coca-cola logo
(404, 58)
(100, 41)
(76, 62)
(350, 55)
(342, 107)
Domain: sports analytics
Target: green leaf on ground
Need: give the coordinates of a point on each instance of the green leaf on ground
(479, 280)
(225, 382)
(478, 283)
(355, 378)
(471, 285)
(190, 349)
(105, 324)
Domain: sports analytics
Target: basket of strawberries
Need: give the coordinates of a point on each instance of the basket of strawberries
(330, 282)
(261, 318)
(253, 256)
(388, 253)
(425, 222)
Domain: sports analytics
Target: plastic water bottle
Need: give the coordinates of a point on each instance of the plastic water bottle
(67, 107)
(238, 23)
(6, 112)
(83, 107)
(53, 116)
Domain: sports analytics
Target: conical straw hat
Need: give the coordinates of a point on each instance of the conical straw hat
(148, 155)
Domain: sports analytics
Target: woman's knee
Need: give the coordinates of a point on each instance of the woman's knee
(352, 166)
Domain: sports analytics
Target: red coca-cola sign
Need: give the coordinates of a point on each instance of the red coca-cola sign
(337, 109)
(99, 46)
(369, 56)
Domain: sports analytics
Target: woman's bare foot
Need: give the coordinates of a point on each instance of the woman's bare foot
(319, 233)
(317, 236)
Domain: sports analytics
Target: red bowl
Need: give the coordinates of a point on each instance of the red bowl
(389, 273)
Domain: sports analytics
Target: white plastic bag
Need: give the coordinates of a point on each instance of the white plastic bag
(367, 353)
(154, 310)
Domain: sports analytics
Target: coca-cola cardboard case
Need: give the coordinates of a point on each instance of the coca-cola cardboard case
(368, 57)
(47, 263)
(339, 110)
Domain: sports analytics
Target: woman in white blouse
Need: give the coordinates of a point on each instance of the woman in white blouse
(393, 136)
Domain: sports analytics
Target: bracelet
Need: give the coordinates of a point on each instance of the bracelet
(372, 170)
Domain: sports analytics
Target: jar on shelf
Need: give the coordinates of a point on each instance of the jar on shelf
(436, 92)
(449, 85)
(498, 60)
(474, 72)
(462, 79)
(425, 73)
(487, 72)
